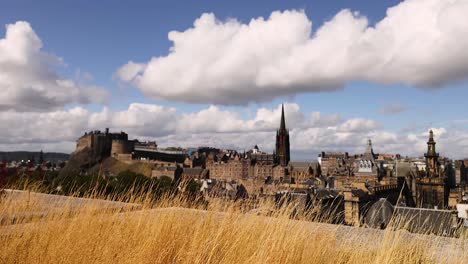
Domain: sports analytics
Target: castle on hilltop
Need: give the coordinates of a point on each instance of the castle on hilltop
(104, 144)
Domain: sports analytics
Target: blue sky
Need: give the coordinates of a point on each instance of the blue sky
(99, 37)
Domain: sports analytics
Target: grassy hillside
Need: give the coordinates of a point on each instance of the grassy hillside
(115, 166)
(85, 161)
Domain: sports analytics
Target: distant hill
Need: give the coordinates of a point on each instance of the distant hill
(27, 155)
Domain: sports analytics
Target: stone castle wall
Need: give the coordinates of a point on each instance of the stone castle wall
(102, 145)
(83, 142)
(120, 146)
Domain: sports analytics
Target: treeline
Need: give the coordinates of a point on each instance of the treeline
(119, 187)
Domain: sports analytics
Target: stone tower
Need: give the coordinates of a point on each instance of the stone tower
(282, 142)
(432, 157)
(432, 189)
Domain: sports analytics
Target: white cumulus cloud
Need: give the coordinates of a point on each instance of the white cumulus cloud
(27, 79)
(420, 43)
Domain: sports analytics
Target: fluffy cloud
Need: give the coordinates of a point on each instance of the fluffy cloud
(420, 43)
(41, 127)
(127, 72)
(310, 132)
(142, 120)
(27, 80)
(358, 125)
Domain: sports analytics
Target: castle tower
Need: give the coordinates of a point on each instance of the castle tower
(432, 157)
(282, 142)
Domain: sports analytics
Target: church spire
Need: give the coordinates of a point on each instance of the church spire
(282, 154)
(283, 122)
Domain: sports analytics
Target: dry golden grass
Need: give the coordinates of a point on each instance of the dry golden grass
(169, 232)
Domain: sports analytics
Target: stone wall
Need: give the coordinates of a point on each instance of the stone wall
(83, 142)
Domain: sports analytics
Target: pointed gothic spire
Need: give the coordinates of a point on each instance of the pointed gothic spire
(282, 155)
(283, 122)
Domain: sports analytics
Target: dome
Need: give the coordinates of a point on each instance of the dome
(379, 214)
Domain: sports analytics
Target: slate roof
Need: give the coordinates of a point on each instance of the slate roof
(424, 221)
